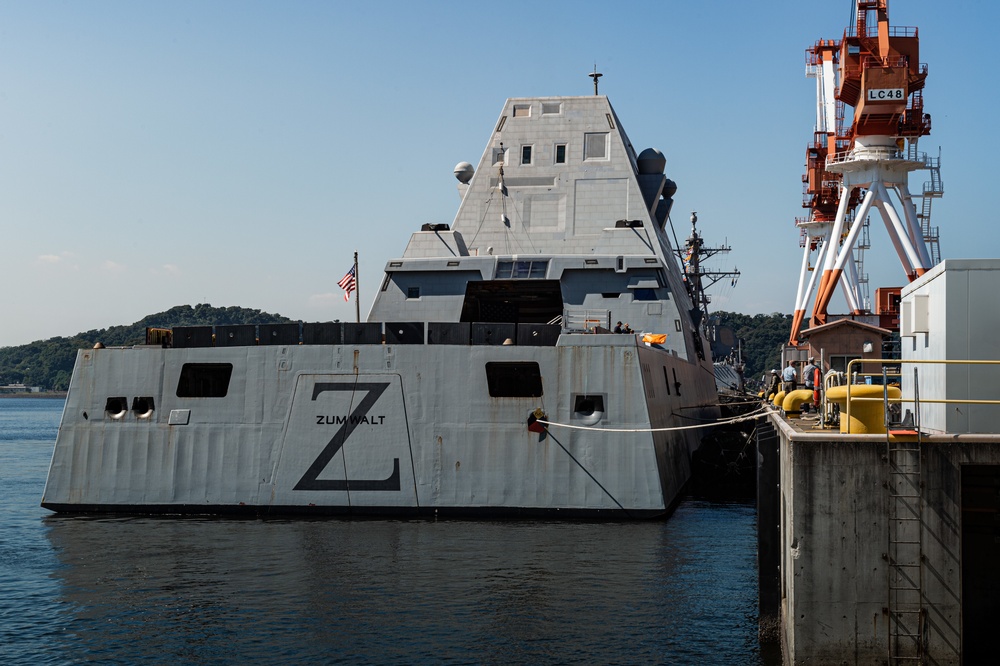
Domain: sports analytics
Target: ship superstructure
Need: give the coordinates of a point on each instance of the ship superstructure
(481, 329)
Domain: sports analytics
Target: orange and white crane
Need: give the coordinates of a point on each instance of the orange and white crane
(875, 71)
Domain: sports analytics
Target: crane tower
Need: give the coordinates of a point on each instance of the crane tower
(851, 169)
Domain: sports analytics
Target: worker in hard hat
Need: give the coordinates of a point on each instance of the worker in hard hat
(774, 386)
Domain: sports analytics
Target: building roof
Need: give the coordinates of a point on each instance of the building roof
(847, 322)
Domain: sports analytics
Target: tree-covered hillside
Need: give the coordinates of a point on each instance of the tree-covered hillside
(763, 337)
(49, 363)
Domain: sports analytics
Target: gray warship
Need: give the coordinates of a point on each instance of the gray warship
(488, 379)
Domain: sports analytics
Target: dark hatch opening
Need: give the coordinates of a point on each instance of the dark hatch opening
(980, 553)
(514, 379)
(514, 301)
(204, 380)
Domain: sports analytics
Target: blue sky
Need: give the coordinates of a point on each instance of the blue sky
(154, 154)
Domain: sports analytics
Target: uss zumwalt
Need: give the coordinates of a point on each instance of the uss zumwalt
(482, 329)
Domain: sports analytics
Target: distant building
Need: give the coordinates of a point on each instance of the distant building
(20, 388)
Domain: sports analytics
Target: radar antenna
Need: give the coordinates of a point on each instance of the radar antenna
(595, 75)
(696, 278)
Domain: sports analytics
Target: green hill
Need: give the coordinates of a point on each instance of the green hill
(763, 337)
(49, 363)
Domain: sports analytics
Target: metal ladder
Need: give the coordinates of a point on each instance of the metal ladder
(906, 613)
(933, 189)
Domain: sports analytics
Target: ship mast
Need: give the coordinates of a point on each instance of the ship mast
(696, 278)
(595, 75)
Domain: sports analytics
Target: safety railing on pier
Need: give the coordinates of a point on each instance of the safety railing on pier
(895, 362)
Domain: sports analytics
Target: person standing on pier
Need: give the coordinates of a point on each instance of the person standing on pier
(789, 378)
(774, 386)
(810, 378)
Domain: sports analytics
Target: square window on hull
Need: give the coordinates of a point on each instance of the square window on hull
(595, 146)
(204, 380)
(514, 379)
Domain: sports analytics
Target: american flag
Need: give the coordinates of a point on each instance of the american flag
(349, 283)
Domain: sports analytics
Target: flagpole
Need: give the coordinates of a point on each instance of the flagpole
(357, 289)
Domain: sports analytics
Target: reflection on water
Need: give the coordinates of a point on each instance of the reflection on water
(391, 591)
(118, 590)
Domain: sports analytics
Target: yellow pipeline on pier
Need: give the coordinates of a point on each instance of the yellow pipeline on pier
(867, 414)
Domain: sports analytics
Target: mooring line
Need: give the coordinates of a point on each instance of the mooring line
(746, 417)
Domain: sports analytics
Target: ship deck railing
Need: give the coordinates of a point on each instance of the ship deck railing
(364, 333)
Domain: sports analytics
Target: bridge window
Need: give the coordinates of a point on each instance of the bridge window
(522, 270)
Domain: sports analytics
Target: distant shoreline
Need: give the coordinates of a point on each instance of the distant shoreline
(45, 394)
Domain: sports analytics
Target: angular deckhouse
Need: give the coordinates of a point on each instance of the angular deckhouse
(502, 317)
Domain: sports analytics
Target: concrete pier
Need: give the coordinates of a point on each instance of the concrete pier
(888, 545)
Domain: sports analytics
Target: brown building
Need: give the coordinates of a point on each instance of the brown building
(838, 342)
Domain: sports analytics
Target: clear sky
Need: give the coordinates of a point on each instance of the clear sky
(156, 153)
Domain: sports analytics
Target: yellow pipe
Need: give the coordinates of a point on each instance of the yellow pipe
(792, 403)
(861, 407)
(779, 397)
(900, 362)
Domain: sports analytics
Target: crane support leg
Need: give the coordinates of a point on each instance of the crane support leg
(823, 299)
(899, 233)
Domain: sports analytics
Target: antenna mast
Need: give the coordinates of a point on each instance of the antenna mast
(595, 75)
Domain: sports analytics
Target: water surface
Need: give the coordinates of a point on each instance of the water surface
(123, 590)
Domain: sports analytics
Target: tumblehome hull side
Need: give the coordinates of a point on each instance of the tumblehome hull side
(378, 430)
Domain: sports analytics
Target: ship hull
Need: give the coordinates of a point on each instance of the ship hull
(381, 430)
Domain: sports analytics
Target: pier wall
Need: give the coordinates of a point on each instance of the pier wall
(835, 545)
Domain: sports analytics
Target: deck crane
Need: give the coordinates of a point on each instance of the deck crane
(874, 70)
